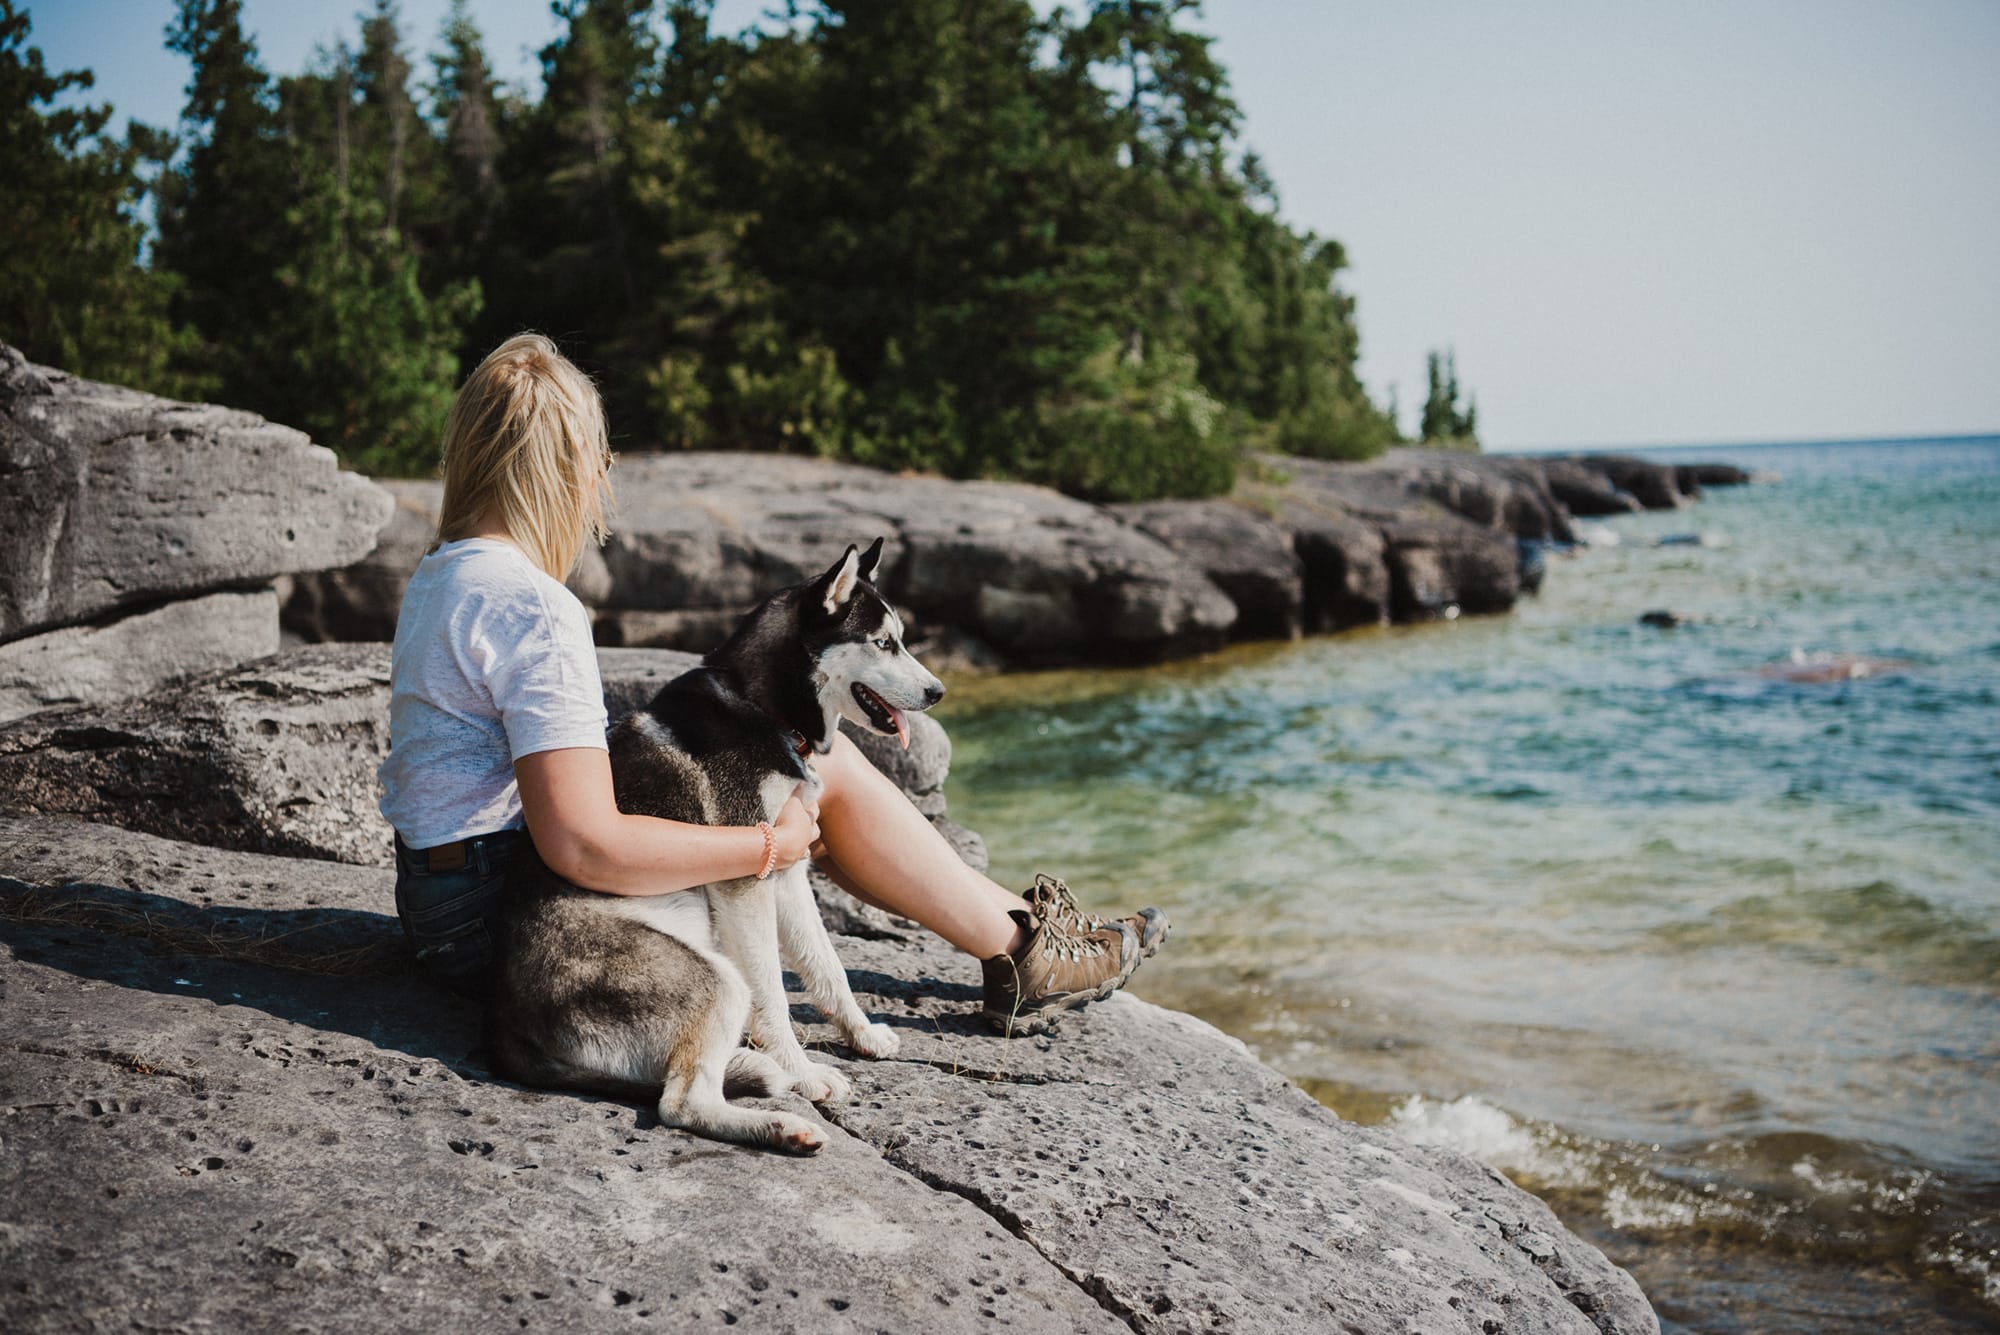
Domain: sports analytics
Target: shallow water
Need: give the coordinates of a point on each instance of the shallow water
(1695, 931)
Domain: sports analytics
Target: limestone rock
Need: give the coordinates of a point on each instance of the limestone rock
(1248, 556)
(276, 756)
(1655, 486)
(1689, 479)
(115, 499)
(1442, 565)
(1584, 491)
(360, 601)
(323, 1147)
(125, 656)
(695, 630)
(1509, 493)
(1034, 574)
(1346, 568)
(279, 755)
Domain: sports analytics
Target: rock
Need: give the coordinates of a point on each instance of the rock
(1665, 618)
(120, 499)
(1036, 575)
(1584, 491)
(1346, 569)
(1494, 491)
(360, 601)
(319, 917)
(1248, 556)
(279, 756)
(1443, 565)
(1689, 479)
(696, 631)
(334, 1156)
(1652, 485)
(118, 657)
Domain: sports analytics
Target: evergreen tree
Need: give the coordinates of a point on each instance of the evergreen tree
(73, 290)
(1444, 423)
(308, 299)
(953, 234)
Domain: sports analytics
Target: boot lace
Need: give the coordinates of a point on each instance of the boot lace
(1075, 936)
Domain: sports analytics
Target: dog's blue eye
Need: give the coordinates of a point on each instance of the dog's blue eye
(884, 644)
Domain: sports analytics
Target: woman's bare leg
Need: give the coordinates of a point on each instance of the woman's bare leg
(884, 852)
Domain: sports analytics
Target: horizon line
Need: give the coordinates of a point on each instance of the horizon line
(1932, 438)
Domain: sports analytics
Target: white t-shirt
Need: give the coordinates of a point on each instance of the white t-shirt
(493, 661)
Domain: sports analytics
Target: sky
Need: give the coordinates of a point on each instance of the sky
(1699, 222)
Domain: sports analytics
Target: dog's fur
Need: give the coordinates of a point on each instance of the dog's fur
(624, 994)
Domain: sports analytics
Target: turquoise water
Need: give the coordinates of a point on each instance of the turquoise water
(1694, 931)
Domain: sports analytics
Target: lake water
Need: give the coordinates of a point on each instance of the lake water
(1695, 932)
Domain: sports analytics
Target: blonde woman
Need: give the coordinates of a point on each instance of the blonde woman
(497, 733)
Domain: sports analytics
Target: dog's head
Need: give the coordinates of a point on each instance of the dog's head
(862, 670)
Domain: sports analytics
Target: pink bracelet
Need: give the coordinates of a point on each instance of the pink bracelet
(770, 850)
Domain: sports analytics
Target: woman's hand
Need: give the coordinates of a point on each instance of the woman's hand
(796, 829)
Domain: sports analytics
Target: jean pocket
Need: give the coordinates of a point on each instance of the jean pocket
(439, 901)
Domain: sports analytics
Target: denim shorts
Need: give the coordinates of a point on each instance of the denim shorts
(451, 918)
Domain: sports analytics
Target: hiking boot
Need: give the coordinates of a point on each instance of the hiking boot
(1056, 969)
(1149, 924)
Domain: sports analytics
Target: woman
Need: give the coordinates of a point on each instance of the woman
(497, 721)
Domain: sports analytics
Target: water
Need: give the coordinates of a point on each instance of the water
(1696, 932)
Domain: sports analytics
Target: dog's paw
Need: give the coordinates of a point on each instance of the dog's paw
(878, 1041)
(821, 1084)
(795, 1135)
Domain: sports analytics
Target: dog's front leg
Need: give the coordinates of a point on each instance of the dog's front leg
(809, 950)
(745, 918)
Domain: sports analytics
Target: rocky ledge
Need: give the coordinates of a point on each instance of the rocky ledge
(1005, 574)
(227, 1101)
(148, 536)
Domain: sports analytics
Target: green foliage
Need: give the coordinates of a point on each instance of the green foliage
(305, 293)
(950, 235)
(73, 292)
(1445, 424)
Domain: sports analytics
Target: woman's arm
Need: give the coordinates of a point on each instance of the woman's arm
(573, 817)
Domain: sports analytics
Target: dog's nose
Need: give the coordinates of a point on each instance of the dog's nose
(933, 694)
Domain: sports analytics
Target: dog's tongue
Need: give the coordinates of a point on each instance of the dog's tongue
(902, 724)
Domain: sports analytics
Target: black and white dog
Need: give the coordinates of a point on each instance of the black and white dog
(622, 994)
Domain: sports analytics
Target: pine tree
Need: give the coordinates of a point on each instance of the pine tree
(74, 291)
(1444, 423)
(278, 225)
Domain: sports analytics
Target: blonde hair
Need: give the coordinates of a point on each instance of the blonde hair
(526, 439)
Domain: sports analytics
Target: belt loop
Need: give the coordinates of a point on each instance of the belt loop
(479, 854)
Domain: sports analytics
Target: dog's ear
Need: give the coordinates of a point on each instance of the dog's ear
(870, 559)
(836, 586)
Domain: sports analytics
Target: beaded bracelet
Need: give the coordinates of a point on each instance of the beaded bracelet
(770, 850)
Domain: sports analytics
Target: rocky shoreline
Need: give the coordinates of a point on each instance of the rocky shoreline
(1006, 575)
(229, 1100)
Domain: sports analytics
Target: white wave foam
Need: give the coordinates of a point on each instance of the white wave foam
(1476, 1128)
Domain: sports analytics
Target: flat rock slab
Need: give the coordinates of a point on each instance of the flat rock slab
(201, 1144)
(123, 656)
(206, 1138)
(115, 498)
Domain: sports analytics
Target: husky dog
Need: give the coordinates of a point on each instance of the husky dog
(624, 994)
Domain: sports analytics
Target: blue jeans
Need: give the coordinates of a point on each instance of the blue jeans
(451, 918)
